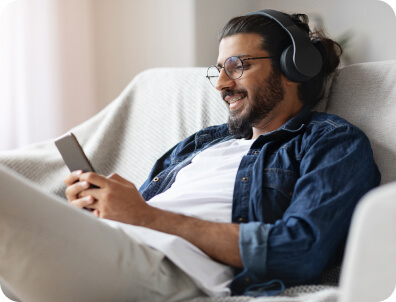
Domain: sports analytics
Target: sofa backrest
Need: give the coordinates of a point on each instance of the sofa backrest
(365, 95)
(163, 106)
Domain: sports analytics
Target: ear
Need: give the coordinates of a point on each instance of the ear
(286, 82)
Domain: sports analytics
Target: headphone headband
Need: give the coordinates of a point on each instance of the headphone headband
(300, 61)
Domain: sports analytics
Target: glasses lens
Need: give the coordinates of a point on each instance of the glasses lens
(213, 75)
(233, 67)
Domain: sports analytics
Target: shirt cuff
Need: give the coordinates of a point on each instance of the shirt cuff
(253, 246)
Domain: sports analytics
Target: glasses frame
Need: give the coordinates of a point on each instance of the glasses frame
(225, 70)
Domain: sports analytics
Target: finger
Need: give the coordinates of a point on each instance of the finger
(84, 202)
(73, 191)
(94, 179)
(90, 191)
(72, 177)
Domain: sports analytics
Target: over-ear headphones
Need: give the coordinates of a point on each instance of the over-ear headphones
(300, 61)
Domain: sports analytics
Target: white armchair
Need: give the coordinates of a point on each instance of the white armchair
(162, 106)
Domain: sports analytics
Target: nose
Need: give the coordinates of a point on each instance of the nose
(224, 81)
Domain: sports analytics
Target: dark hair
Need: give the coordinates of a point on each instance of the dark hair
(275, 39)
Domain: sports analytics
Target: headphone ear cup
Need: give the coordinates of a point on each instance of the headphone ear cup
(289, 68)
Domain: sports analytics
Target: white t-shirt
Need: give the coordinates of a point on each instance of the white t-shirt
(202, 189)
(205, 187)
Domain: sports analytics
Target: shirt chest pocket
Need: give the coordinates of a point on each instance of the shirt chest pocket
(275, 193)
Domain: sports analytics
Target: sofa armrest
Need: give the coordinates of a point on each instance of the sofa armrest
(369, 268)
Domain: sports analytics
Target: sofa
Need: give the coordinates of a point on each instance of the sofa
(162, 106)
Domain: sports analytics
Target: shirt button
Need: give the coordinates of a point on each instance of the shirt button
(156, 179)
(241, 219)
(256, 152)
(244, 179)
(247, 279)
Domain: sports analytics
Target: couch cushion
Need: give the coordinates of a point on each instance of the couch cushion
(365, 95)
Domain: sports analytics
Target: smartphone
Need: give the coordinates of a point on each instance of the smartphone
(73, 154)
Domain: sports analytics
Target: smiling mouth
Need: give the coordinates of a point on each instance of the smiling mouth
(235, 102)
(235, 99)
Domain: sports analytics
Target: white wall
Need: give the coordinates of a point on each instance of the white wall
(372, 24)
(75, 50)
(133, 35)
(93, 48)
(210, 17)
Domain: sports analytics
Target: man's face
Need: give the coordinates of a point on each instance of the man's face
(254, 96)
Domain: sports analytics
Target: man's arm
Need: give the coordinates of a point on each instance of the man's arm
(218, 240)
(336, 169)
(118, 199)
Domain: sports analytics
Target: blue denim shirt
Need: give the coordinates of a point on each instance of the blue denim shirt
(294, 195)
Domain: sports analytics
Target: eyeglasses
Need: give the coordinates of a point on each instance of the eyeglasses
(233, 67)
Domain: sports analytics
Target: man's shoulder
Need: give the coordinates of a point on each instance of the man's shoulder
(331, 129)
(328, 121)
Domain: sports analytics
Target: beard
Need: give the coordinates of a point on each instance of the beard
(264, 100)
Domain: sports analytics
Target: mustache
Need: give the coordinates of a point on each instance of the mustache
(229, 92)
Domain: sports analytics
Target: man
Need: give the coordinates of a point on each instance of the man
(270, 195)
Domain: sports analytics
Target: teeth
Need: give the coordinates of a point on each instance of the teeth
(234, 100)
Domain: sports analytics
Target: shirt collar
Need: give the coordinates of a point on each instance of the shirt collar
(298, 121)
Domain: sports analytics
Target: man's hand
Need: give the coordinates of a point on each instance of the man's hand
(117, 199)
(114, 198)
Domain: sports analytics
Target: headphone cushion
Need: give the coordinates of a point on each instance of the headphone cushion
(289, 68)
